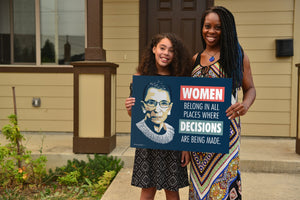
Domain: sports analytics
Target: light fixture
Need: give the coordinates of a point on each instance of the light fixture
(36, 102)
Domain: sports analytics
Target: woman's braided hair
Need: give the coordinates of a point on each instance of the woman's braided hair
(231, 53)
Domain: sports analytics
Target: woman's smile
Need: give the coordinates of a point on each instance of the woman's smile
(211, 38)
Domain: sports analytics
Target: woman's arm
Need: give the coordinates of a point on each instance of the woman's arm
(249, 93)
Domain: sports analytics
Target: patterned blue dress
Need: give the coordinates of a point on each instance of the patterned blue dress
(216, 176)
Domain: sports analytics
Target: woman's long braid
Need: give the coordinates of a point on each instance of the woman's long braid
(231, 54)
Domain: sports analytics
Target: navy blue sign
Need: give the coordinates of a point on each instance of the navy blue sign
(181, 113)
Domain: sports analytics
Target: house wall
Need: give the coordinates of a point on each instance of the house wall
(121, 42)
(297, 61)
(55, 91)
(259, 24)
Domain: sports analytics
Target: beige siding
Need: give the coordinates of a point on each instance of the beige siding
(297, 61)
(266, 129)
(55, 91)
(256, 5)
(91, 105)
(259, 24)
(121, 42)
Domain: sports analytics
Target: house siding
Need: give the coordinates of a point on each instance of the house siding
(121, 42)
(259, 24)
(54, 90)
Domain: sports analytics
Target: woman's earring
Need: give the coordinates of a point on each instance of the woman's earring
(144, 111)
(169, 113)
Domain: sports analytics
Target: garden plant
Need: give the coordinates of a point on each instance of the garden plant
(22, 177)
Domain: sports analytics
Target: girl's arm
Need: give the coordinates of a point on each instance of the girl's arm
(129, 102)
(185, 158)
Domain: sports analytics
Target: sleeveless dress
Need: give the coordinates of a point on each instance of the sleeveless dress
(158, 168)
(216, 176)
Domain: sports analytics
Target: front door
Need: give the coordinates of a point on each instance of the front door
(182, 17)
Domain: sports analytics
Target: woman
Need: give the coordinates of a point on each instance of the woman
(161, 169)
(215, 175)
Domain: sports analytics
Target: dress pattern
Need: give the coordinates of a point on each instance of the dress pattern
(160, 169)
(216, 176)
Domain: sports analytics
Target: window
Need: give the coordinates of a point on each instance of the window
(61, 31)
(24, 31)
(5, 43)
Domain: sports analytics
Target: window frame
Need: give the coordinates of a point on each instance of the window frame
(38, 62)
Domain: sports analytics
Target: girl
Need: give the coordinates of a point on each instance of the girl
(161, 169)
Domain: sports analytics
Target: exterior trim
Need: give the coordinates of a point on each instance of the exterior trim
(94, 49)
(107, 103)
(298, 146)
(298, 113)
(37, 69)
(143, 27)
(94, 145)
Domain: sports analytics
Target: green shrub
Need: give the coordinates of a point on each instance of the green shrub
(69, 179)
(17, 168)
(76, 180)
(93, 169)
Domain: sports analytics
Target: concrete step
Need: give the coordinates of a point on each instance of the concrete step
(258, 154)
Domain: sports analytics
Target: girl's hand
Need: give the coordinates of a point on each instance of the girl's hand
(236, 110)
(129, 102)
(185, 158)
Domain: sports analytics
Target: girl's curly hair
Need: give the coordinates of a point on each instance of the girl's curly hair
(181, 64)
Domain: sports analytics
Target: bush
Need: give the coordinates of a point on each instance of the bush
(92, 170)
(17, 168)
(22, 177)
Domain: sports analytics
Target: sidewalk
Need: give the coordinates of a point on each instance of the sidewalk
(269, 166)
(255, 186)
(270, 171)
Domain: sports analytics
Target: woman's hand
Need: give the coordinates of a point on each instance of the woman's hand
(185, 158)
(236, 110)
(129, 102)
